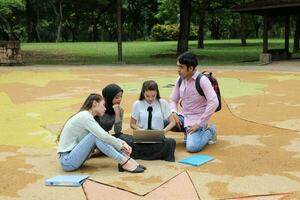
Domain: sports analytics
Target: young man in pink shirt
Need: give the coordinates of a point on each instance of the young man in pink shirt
(196, 109)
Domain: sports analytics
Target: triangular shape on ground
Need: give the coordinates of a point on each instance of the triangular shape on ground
(167, 191)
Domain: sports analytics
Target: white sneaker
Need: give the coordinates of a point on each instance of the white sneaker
(213, 129)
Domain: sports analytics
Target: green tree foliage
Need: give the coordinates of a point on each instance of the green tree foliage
(10, 7)
(95, 20)
(11, 12)
(168, 12)
(138, 18)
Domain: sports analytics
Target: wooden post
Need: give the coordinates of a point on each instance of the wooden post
(297, 35)
(287, 32)
(119, 22)
(265, 34)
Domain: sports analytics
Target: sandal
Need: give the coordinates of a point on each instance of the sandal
(138, 169)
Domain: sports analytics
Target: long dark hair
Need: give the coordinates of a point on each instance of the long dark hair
(149, 85)
(88, 103)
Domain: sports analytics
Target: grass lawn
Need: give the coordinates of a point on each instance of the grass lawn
(216, 52)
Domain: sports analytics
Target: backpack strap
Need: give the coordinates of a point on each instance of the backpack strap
(198, 86)
(179, 81)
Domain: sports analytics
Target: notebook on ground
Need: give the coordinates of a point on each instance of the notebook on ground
(196, 160)
(65, 180)
(148, 136)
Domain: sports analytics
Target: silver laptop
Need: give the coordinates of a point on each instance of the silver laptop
(148, 136)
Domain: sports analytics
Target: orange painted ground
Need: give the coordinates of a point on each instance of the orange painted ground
(257, 153)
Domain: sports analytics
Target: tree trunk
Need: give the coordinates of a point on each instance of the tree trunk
(201, 15)
(29, 28)
(217, 33)
(94, 33)
(243, 30)
(58, 35)
(266, 34)
(59, 17)
(287, 33)
(297, 35)
(184, 29)
(256, 27)
(73, 35)
(215, 28)
(32, 19)
(119, 22)
(75, 28)
(95, 30)
(36, 28)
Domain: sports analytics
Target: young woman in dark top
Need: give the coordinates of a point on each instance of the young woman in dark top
(113, 118)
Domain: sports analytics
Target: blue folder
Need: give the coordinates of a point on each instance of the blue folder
(196, 160)
(66, 180)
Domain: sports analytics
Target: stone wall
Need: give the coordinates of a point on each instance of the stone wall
(10, 52)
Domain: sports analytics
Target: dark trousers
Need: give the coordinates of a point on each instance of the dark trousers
(153, 151)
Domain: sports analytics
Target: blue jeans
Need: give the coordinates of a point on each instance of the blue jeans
(74, 159)
(197, 140)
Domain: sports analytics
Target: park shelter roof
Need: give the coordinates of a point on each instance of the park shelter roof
(270, 7)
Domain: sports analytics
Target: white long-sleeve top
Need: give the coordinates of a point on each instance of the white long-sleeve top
(80, 125)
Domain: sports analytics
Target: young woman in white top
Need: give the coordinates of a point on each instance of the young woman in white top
(150, 100)
(150, 112)
(81, 134)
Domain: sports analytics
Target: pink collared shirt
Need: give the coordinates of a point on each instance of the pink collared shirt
(196, 109)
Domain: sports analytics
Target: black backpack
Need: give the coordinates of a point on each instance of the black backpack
(214, 83)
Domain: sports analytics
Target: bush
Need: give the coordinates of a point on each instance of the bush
(193, 33)
(161, 32)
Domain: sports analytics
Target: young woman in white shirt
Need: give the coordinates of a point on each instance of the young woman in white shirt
(151, 102)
